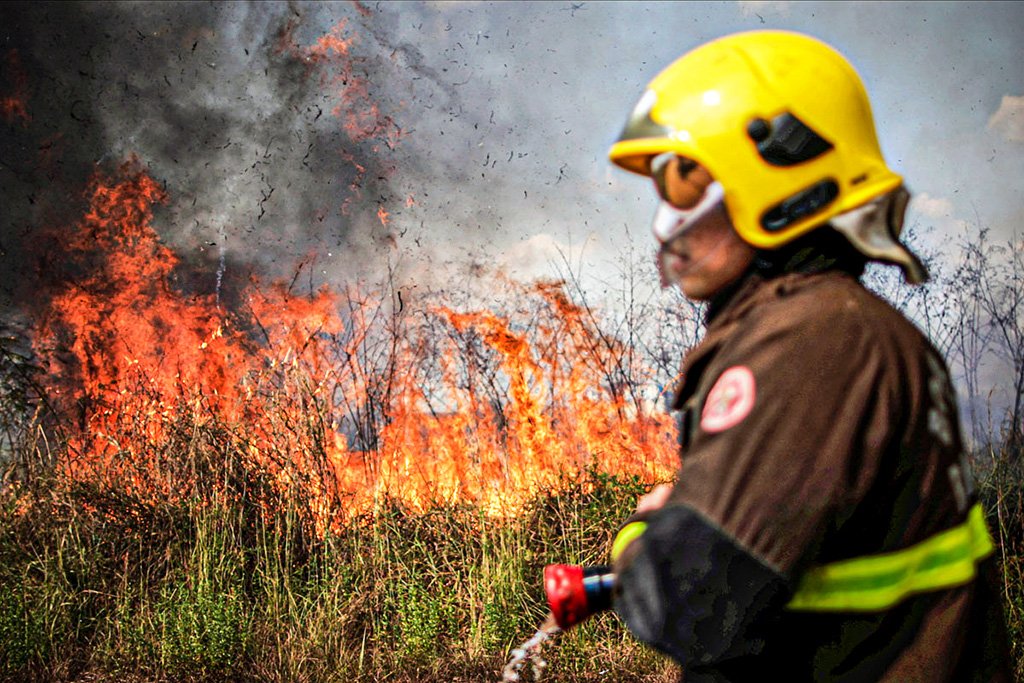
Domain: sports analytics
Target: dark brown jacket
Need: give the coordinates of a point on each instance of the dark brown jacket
(817, 425)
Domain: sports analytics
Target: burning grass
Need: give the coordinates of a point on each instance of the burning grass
(337, 394)
(315, 486)
(102, 582)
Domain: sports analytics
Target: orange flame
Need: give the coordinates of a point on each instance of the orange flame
(362, 117)
(15, 105)
(331, 392)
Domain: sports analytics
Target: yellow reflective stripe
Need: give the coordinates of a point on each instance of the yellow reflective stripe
(627, 535)
(877, 582)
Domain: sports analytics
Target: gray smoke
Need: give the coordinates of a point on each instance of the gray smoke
(229, 107)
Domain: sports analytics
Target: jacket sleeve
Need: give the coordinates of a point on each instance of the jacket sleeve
(761, 484)
(687, 589)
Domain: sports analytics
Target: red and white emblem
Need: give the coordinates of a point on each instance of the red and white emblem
(729, 401)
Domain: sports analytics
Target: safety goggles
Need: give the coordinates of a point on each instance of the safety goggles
(670, 221)
(659, 171)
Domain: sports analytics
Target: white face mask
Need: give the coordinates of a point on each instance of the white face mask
(670, 222)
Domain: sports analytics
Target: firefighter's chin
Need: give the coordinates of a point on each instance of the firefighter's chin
(705, 257)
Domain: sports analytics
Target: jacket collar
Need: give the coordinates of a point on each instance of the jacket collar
(724, 316)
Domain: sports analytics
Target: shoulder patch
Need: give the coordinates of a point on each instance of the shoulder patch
(729, 401)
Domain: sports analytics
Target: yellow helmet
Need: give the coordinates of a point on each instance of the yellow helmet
(781, 120)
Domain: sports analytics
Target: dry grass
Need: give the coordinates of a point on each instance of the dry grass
(98, 583)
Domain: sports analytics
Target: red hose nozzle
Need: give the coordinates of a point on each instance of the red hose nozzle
(575, 593)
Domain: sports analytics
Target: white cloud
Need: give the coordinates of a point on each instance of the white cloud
(933, 207)
(938, 212)
(750, 8)
(1009, 118)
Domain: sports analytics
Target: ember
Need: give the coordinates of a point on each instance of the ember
(14, 105)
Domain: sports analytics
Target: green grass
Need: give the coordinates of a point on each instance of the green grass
(99, 584)
(1000, 477)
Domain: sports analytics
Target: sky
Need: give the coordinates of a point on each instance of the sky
(442, 142)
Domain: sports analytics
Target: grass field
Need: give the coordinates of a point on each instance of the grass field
(97, 585)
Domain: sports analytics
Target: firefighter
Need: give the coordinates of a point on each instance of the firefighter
(822, 525)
